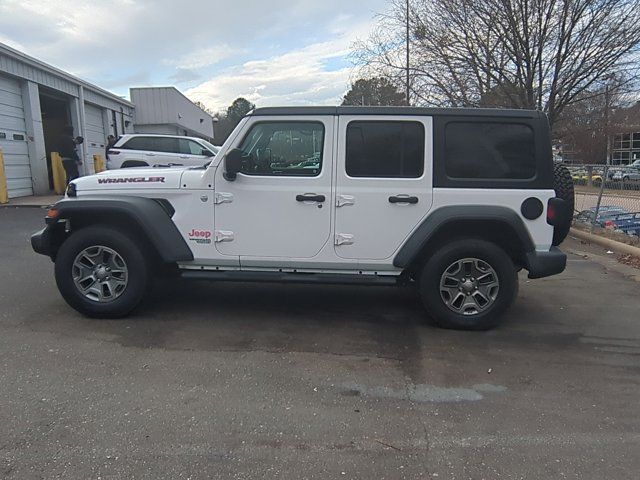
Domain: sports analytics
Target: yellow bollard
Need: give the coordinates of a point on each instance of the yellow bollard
(59, 175)
(4, 193)
(98, 164)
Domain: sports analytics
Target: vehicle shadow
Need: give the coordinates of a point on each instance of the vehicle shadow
(380, 322)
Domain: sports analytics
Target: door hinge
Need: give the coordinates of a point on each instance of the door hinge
(344, 239)
(343, 200)
(222, 197)
(223, 236)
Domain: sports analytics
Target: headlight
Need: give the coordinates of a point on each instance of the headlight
(71, 190)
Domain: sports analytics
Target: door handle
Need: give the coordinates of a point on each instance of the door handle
(150, 154)
(310, 197)
(403, 199)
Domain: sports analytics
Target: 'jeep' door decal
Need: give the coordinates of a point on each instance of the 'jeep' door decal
(200, 236)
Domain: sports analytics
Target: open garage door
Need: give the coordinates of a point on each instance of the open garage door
(13, 139)
(94, 134)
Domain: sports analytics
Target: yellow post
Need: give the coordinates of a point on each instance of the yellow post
(98, 164)
(4, 193)
(59, 175)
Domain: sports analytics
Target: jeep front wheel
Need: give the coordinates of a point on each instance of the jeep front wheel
(101, 272)
(468, 284)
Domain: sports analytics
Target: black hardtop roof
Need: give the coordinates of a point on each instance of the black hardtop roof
(414, 111)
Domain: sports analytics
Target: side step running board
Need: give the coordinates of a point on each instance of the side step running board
(286, 277)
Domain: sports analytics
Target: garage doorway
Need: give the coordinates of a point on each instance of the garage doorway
(55, 116)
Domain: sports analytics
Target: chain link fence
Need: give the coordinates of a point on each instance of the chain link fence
(607, 197)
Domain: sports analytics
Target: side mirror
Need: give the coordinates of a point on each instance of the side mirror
(232, 164)
(208, 153)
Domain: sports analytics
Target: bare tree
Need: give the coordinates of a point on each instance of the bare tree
(539, 54)
(373, 91)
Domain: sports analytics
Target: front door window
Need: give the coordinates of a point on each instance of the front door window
(283, 149)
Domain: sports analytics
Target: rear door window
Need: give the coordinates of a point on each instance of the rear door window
(166, 145)
(392, 149)
(152, 144)
(138, 143)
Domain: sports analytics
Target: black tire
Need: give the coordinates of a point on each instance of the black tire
(432, 273)
(136, 265)
(563, 186)
(134, 163)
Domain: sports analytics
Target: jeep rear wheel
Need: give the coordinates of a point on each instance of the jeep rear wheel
(101, 272)
(468, 284)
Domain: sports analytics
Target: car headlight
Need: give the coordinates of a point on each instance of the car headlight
(71, 190)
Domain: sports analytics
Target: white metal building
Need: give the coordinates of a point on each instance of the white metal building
(36, 102)
(167, 111)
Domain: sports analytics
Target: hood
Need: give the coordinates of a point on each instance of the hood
(132, 179)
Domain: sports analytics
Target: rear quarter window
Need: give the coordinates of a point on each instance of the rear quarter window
(489, 150)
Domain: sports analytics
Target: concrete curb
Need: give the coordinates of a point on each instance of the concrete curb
(612, 245)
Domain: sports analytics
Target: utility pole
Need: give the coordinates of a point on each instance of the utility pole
(607, 107)
(605, 171)
(407, 80)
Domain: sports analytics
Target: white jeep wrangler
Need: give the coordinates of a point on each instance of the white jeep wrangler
(453, 201)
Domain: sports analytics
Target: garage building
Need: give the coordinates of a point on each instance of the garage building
(167, 111)
(36, 102)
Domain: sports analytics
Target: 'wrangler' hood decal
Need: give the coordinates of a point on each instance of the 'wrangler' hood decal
(130, 179)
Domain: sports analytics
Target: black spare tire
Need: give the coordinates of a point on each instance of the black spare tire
(563, 186)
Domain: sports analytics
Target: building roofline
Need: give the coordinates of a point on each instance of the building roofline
(414, 111)
(23, 57)
(176, 90)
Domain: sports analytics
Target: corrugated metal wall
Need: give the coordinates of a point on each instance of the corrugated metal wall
(21, 69)
(13, 139)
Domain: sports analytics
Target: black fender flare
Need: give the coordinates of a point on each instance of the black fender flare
(152, 216)
(445, 216)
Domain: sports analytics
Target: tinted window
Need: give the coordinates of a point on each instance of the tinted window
(189, 147)
(283, 148)
(385, 149)
(489, 150)
(165, 144)
(138, 143)
(152, 144)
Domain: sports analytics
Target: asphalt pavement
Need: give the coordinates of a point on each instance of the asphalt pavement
(214, 380)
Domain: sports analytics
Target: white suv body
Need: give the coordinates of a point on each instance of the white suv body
(342, 195)
(141, 150)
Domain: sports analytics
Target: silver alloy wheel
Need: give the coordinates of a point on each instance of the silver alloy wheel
(100, 273)
(469, 286)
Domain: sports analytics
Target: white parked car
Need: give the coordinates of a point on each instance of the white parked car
(451, 201)
(629, 173)
(145, 150)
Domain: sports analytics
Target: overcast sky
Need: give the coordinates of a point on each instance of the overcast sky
(273, 52)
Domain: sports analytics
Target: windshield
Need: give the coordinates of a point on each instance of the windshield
(210, 146)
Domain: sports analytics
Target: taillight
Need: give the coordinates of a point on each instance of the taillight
(557, 211)
(609, 224)
(551, 213)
